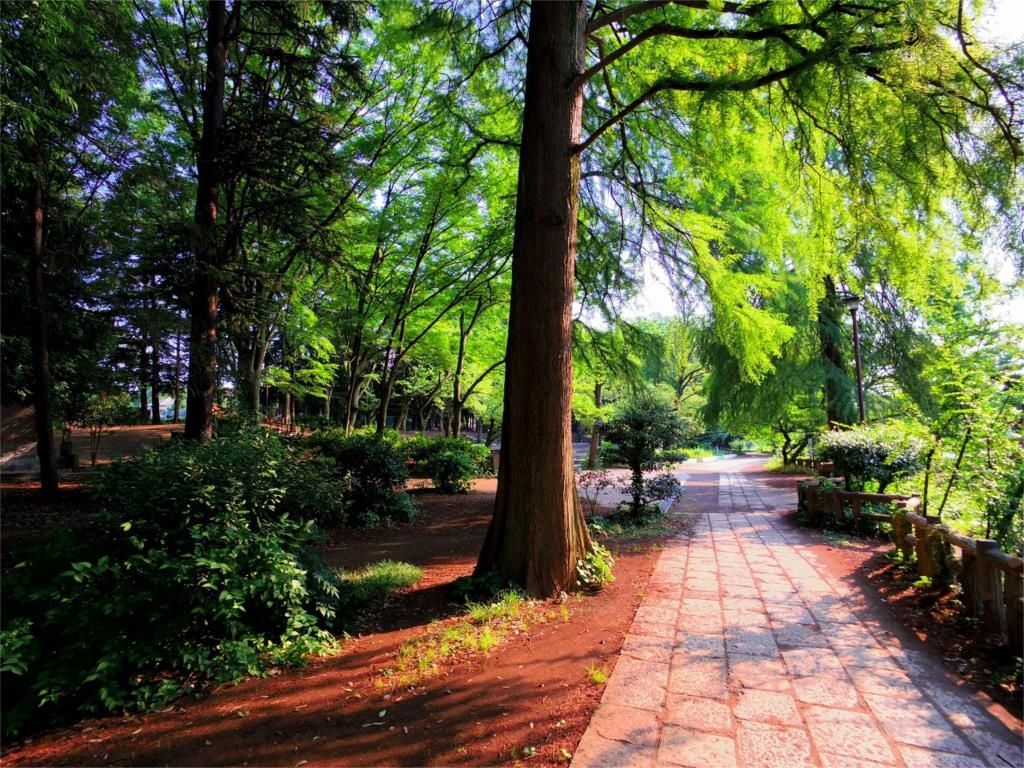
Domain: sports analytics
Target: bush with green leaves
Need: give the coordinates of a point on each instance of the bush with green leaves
(191, 573)
(640, 428)
(450, 462)
(873, 454)
(372, 471)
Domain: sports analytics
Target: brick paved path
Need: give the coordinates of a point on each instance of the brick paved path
(746, 652)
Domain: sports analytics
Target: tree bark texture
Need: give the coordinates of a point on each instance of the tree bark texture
(538, 531)
(45, 449)
(202, 368)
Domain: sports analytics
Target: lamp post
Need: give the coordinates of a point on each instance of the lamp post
(852, 303)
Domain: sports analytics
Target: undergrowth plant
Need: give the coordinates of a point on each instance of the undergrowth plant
(191, 573)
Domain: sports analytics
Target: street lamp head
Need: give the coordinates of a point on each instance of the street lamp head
(851, 301)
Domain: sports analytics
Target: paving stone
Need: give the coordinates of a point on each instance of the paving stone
(638, 684)
(916, 722)
(927, 758)
(659, 603)
(700, 645)
(733, 618)
(653, 629)
(698, 676)
(618, 723)
(800, 635)
(698, 714)
(694, 749)
(958, 707)
(997, 750)
(848, 635)
(597, 752)
(852, 734)
(758, 672)
(751, 641)
(884, 681)
(702, 582)
(709, 624)
(744, 591)
(782, 597)
(788, 614)
(827, 691)
(648, 648)
(832, 610)
(692, 606)
(805, 662)
(767, 707)
(876, 658)
(656, 615)
(743, 604)
(842, 761)
(760, 745)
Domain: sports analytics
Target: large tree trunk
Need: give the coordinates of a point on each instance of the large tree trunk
(538, 531)
(40, 349)
(202, 367)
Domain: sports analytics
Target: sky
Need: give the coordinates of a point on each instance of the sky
(1001, 24)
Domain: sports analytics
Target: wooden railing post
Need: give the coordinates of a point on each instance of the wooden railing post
(837, 508)
(1013, 597)
(900, 529)
(990, 582)
(970, 584)
(928, 563)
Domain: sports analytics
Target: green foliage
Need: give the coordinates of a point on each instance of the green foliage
(192, 573)
(879, 454)
(450, 462)
(594, 570)
(643, 425)
(372, 471)
(374, 583)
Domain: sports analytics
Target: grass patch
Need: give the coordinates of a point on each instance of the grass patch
(597, 675)
(481, 629)
(655, 524)
(375, 582)
(774, 464)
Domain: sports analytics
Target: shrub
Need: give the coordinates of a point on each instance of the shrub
(191, 574)
(673, 455)
(591, 483)
(639, 429)
(450, 462)
(372, 472)
(872, 454)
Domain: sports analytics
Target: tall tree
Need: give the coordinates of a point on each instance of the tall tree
(60, 139)
(670, 59)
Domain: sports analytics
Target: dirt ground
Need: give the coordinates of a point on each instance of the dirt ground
(531, 691)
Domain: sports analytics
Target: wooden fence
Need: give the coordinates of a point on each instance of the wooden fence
(991, 581)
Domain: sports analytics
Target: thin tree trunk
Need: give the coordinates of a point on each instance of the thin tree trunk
(40, 348)
(838, 395)
(143, 378)
(177, 377)
(538, 531)
(595, 431)
(202, 368)
(154, 372)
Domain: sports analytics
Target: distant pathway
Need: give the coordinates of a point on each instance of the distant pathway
(747, 652)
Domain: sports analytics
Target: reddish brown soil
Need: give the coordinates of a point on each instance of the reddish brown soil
(531, 691)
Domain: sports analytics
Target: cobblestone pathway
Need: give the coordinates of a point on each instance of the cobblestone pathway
(746, 652)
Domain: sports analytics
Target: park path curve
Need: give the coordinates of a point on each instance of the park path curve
(747, 651)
